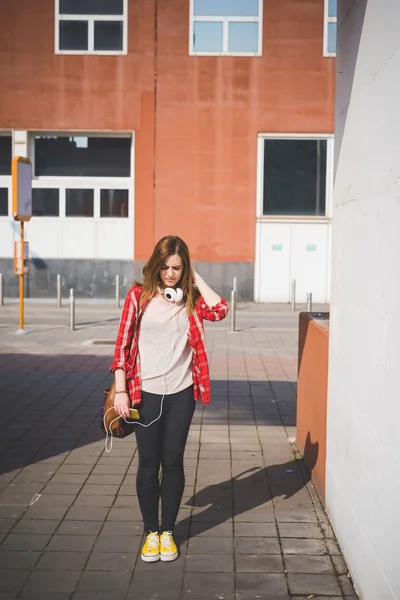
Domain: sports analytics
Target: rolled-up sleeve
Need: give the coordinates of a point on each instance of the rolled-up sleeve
(124, 336)
(214, 313)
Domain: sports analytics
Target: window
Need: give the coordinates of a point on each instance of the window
(45, 202)
(91, 27)
(226, 27)
(82, 156)
(78, 175)
(330, 27)
(5, 154)
(79, 203)
(114, 203)
(3, 202)
(294, 177)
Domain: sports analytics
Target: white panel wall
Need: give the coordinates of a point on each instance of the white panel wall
(363, 442)
(289, 251)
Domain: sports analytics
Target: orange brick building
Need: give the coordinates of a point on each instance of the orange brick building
(150, 117)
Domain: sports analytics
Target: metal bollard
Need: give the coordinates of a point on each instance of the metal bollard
(234, 285)
(71, 309)
(293, 294)
(59, 300)
(1, 290)
(309, 302)
(233, 310)
(117, 291)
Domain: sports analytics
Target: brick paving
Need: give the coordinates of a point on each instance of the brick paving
(250, 525)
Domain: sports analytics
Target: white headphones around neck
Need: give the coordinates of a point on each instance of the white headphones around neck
(173, 294)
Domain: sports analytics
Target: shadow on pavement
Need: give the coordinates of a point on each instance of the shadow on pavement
(251, 489)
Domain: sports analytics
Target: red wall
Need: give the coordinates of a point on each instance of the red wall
(196, 118)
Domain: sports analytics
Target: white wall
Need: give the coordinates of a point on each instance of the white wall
(363, 441)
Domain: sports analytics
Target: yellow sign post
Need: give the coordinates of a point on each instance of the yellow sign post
(21, 172)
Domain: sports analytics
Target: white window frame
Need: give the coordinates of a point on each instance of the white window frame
(327, 19)
(225, 20)
(328, 180)
(91, 19)
(93, 183)
(6, 181)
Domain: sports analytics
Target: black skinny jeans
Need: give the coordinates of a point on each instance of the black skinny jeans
(162, 444)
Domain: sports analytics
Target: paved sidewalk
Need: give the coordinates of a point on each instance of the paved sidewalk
(250, 525)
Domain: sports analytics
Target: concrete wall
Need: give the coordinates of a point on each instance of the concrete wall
(363, 443)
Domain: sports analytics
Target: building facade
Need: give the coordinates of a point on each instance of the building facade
(212, 120)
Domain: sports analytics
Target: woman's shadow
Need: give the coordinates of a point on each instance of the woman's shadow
(247, 491)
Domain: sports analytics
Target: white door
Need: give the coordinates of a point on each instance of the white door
(274, 263)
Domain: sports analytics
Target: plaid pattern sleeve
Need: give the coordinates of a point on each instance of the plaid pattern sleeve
(200, 370)
(125, 334)
(213, 313)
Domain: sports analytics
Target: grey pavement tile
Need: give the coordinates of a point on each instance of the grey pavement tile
(117, 543)
(122, 528)
(211, 545)
(94, 501)
(259, 563)
(314, 584)
(55, 500)
(7, 524)
(340, 565)
(346, 585)
(18, 559)
(53, 513)
(333, 548)
(262, 596)
(124, 514)
(273, 583)
(103, 490)
(255, 530)
(79, 513)
(13, 580)
(170, 582)
(175, 565)
(299, 530)
(8, 595)
(162, 595)
(308, 564)
(111, 561)
(11, 512)
(209, 596)
(295, 516)
(64, 489)
(69, 478)
(44, 595)
(35, 526)
(303, 546)
(92, 581)
(211, 529)
(63, 561)
(80, 527)
(98, 595)
(209, 563)
(71, 543)
(54, 581)
(22, 541)
(263, 514)
(257, 545)
(216, 583)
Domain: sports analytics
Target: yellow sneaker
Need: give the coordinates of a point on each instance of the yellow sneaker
(151, 548)
(168, 549)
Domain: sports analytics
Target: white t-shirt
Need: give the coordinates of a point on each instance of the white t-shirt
(165, 354)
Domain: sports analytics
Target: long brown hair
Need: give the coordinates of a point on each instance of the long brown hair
(166, 247)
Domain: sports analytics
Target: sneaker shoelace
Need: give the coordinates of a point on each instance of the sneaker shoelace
(152, 541)
(167, 540)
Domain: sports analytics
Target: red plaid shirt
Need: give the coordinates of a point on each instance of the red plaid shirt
(126, 354)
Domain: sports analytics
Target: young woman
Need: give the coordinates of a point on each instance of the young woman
(160, 365)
